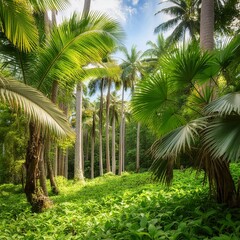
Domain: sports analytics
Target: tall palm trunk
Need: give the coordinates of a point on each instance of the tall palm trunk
(121, 137)
(100, 130)
(78, 163)
(138, 148)
(93, 145)
(113, 146)
(66, 164)
(107, 128)
(207, 25)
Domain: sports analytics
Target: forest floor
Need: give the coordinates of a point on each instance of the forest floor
(128, 207)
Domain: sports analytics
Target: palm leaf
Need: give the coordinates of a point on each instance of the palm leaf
(35, 105)
(225, 105)
(165, 150)
(221, 138)
(74, 44)
(18, 25)
(44, 5)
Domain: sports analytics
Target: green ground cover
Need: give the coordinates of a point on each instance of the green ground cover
(128, 207)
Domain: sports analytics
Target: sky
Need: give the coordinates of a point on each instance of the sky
(137, 17)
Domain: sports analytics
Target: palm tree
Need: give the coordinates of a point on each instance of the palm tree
(214, 130)
(185, 19)
(154, 53)
(56, 59)
(132, 67)
(115, 106)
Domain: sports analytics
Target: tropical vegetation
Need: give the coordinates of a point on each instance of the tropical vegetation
(67, 128)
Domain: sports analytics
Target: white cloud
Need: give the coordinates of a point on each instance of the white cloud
(114, 8)
(135, 2)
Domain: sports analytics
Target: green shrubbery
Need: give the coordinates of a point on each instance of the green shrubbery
(126, 207)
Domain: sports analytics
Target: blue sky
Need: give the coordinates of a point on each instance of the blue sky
(136, 16)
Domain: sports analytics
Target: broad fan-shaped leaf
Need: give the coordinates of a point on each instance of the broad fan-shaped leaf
(150, 96)
(222, 138)
(35, 105)
(165, 150)
(188, 65)
(178, 140)
(225, 105)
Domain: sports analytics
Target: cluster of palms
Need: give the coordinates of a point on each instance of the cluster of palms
(193, 97)
(47, 59)
(42, 59)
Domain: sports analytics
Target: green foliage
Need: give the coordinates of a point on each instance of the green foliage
(126, 207)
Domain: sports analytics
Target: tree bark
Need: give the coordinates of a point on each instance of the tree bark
(108, 165)
(100, 130)
(92, 146)
(86, 7)
(49, 167)
(42, 174)
(113, 146)
(66, 164)
(121, 137)
(138, 148)
(207, 25)
(34, 194)
(78, 163)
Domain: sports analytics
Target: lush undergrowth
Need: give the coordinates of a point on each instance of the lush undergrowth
(127, 207)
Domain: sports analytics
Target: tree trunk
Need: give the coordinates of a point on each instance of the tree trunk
(34, 194)
(86, 7)
(93, 145)
(49, 167)
(207, 25)
(55, 161)
(107, 127)
(121, 137)
(138, 148)
(123, 143)
(78, 163)
(66, 164)
(100, 130)
(113, 146)
(42, 175)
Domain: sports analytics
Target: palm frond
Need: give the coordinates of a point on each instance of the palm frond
(188, 65)
(44, 5)
(35, 105)
(221, 138)
(165, 150)
(225, 105)
(18, 25)
(74, 44)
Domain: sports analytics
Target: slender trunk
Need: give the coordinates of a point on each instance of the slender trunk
(86, 7)
(100, 130)
(55, 161)
(107, 128)
(121, 137)
(78, 163)
(138, 148)
(92, 146)
(207, 25)
(113, 146)
(82, 152)
(49, 167)
(87, 145)
(42, 175)
(66, 165)
(123, 143)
